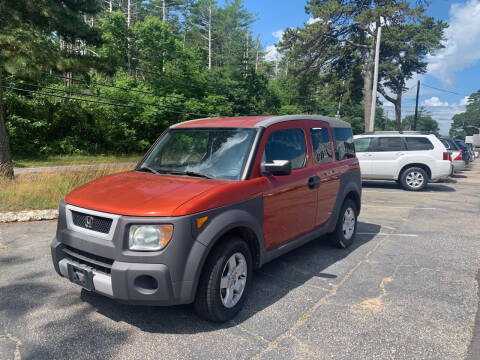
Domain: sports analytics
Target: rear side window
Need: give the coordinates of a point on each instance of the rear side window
(321, 145)
(343, 142)
(389, 144)
(286, 145)
(363, 144)
(418, 143)
(446, 143)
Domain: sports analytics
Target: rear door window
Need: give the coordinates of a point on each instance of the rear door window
(418, 143)
(321, 145)
(343, 143)
(389, 144)
(363, 144)
(446, 143)
(286, 145)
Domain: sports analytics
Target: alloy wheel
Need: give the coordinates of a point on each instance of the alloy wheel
(234, 279)
(414, 179)
(348, 225)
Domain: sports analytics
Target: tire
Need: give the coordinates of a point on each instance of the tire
(212, 301)
(343, 236)
(414, 179)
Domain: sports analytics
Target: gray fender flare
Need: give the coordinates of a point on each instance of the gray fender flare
(247, 214)
(349, 182)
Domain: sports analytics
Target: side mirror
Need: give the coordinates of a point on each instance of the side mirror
(278, 168)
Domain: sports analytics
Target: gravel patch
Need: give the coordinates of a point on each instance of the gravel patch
(30, 215)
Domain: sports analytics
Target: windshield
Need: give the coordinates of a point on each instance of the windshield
(216, 153)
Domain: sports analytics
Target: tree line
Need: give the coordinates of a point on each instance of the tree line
(108, 76)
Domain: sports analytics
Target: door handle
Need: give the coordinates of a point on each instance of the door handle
(314, 182)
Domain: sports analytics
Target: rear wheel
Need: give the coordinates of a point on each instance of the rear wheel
(224, 281)
(414, 179)
(346, 227)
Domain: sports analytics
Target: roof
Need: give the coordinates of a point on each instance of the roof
(257, 121)
(396, 133)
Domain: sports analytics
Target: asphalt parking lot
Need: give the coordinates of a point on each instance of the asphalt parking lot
(407, 289)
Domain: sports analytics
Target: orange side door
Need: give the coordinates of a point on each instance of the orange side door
(326, 168)
(290, 202)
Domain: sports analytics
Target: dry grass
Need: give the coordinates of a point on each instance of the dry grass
(75, 159)
(45, 190)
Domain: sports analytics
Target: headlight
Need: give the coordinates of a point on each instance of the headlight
(149, 237)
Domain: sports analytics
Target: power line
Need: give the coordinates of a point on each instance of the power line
(93, 101)
(88, 82)
(66, 97)
(446, 91)
(111, 99)
(97, 83)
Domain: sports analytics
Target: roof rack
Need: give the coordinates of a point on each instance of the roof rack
(399, 132)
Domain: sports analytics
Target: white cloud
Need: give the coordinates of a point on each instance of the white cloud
(462, 45)
(464, 101)
(272, 53)
(278, 34)
(312, 20)
(442, 114)
(434, 101)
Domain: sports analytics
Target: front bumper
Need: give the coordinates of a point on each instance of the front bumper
(136, 283)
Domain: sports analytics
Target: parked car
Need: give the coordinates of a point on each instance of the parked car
(465, 153)
(455, 152)
(410, 158)
(471, 149)
(212, 200)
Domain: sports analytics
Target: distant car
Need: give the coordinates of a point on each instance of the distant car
(465, 153)
(455, 152)
(410, 158)
(472, 151)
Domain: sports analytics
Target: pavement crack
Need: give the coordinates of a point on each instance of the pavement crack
(292, 282)
(332, 292)
(246, 331)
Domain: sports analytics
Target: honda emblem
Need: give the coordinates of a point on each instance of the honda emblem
(89, 222)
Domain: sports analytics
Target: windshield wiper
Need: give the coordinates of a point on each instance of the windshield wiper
(149, 169)
(189, 173)
(193, 173)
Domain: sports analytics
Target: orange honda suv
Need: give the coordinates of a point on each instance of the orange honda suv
(212, 200)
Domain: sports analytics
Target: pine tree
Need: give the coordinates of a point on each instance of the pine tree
(26, 33)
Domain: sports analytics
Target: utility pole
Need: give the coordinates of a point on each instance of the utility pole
(371, 125)
(415, 119)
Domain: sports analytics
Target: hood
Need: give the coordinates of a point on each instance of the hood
(139, 194)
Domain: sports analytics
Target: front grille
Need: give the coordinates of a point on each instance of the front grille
(96, 262)
(91, 222)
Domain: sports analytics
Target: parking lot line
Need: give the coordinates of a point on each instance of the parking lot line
(399, 207)
(385, 234)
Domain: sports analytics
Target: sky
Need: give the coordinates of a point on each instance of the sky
(456, 68)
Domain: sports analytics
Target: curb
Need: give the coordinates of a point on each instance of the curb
(31, 215)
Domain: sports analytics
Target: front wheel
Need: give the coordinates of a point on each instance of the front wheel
(414, 179)
(346, 227)
(224, 281)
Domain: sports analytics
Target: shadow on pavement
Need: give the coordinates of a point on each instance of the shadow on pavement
(431, 187)
(270, 284)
